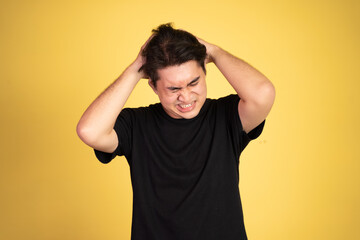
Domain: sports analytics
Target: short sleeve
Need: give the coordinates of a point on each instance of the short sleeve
(239, 137)
(123, 129)
(255, 133)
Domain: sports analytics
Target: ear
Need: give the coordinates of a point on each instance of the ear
(151, 84)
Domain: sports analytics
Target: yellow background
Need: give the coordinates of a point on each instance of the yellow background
(299, 179)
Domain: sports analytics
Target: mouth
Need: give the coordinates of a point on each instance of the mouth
(186, 107)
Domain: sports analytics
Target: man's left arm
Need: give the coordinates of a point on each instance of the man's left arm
(256, 92)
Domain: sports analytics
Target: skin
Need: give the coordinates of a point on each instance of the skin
(256, 93)
(181, 89)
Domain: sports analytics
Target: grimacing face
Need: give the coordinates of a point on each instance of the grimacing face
(181, 89)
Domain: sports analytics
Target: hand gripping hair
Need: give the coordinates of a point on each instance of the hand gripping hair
(170, 47)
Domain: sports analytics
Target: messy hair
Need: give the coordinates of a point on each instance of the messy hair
(170, 47)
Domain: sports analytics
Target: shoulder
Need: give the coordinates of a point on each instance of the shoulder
(227, 102)
(139, 114)
(224, 100)
(141, 109)
(228, 106)
(223, 109)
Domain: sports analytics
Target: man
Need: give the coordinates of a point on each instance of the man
(183, 152)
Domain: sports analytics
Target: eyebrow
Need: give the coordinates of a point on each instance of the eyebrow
(192, 82)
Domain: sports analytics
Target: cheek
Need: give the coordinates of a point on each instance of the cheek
(200, 89)
(169, 98)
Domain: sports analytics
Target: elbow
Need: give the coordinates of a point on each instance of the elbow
(84, 134)
(265, 94)
(270, 92)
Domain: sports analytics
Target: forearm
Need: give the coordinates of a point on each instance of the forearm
(99, 118)
(248, 82)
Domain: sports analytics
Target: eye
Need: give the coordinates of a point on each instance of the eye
(194, 83)
(174, 89)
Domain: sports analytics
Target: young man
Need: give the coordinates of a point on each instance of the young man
(183, 152)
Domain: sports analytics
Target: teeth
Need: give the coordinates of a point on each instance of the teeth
(186, 106)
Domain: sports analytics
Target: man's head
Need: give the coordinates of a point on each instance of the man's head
(175, 64)
(170, 47)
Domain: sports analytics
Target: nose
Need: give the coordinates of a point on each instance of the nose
(184, 95)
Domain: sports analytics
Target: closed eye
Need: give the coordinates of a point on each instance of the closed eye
(191, 84)
(194, 82)
(174, 89)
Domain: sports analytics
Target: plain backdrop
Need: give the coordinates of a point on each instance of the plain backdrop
(298, 180)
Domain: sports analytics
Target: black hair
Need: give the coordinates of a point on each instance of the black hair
(170, 47)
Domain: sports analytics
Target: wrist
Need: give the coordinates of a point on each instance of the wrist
(214, 52)
(132, 72)
(135, 66)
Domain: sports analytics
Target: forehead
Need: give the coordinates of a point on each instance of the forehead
(179, 74)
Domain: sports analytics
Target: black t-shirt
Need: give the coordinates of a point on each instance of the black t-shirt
(184, 172)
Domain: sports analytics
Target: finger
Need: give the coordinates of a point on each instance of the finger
(147, 41)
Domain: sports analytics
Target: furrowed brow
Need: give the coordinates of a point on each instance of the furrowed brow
(178, 88)
(173, 88)
(193, 81)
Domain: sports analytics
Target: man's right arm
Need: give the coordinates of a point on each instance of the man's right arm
(96, 126)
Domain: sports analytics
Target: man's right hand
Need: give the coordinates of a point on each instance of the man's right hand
(140, 59)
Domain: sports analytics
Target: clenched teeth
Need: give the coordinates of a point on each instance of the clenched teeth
(186, 106)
